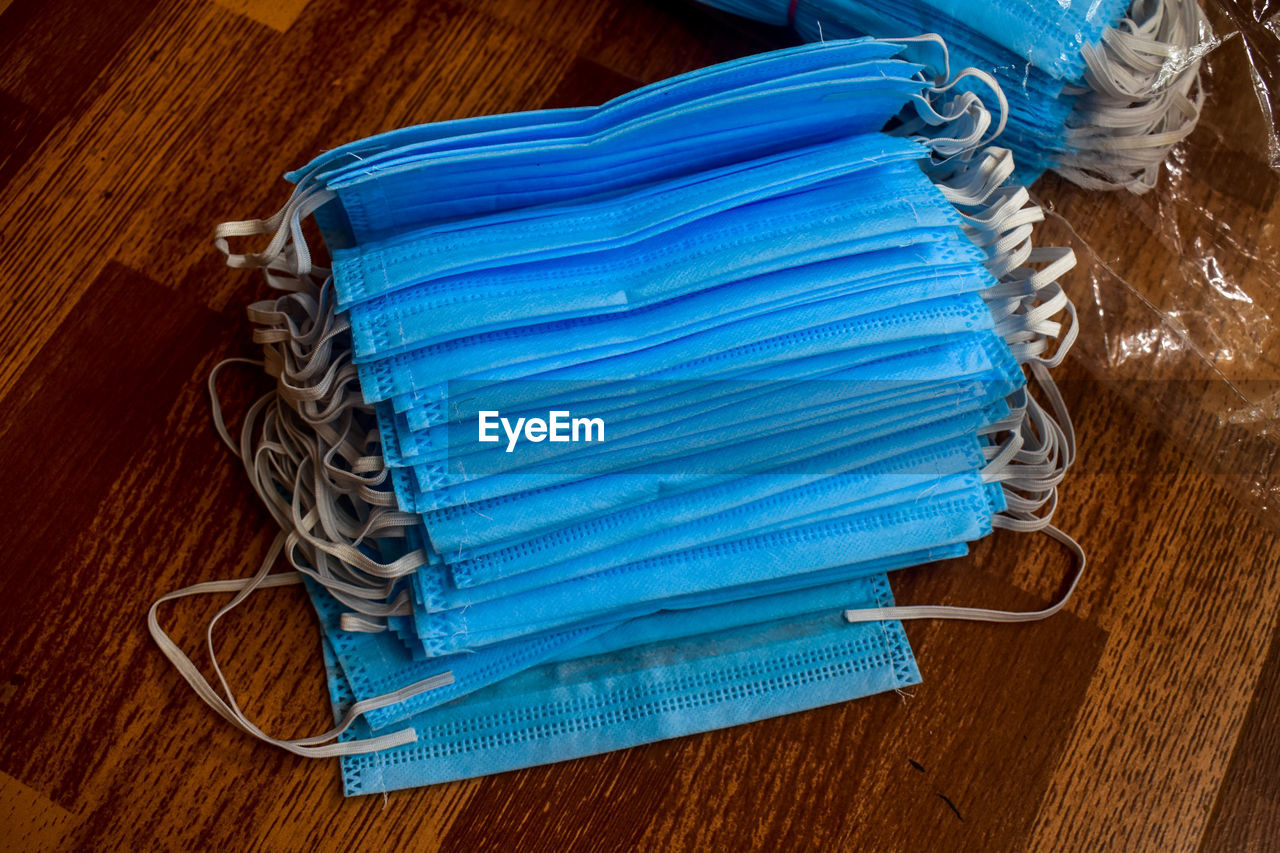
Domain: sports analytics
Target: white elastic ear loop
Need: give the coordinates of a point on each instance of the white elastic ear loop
(931, 38)
(215, 402)
(309, 747)
(978, 614)
(285, 226)
(991, 83)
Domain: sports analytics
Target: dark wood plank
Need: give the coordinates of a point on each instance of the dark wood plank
(76, 416)
(81, 420)
(53, 53)
(1246, 812)
(587, 82)
(22, 129)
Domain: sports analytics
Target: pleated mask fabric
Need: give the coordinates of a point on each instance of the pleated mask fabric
(794, 303)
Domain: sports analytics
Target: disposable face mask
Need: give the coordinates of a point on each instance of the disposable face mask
(583, 374)
(648, 376)
(397, 148)
(426, 254)
(647, 419)
(659, 253)
(979, 358)
(677, 329)
(554, 511)
(870, 487)
(831, 430)
(806, 227)
(536, 234)
(955, 513)
(359, 163)
(477, 554)
(887, 277)
(377, 664)
(485, 181)
(706, 446)
(1098, 91)
(757, 362)
(625, 698)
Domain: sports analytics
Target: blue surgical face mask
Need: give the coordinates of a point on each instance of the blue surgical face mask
(428, 254)
(646, 417)
(987, 363)
(802, 110)
(641, 381)
(377, 664)
(960, 510)
(490, 541)
(596, 369)
(636, 694)
(397, 146)
(815, 335)
(676, 325)
(806, 227)
(904, 477)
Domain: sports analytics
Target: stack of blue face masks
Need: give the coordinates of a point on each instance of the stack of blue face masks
(608, 423)
(1099, 90)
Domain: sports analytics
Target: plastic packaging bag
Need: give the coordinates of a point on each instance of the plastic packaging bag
(1179, 289)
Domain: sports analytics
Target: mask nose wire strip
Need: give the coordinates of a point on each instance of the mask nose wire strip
(317, 746)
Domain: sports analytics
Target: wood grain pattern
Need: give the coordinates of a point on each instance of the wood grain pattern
(31, 822)
(1142, 718)
(277, 14)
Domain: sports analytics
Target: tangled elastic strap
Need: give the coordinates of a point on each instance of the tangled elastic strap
(1037, 447)
(1143, 96)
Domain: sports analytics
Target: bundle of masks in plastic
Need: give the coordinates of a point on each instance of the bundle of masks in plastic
(1099, 90)
(607, 424)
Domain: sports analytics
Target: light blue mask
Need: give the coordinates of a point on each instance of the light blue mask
(377, 664)
(814, 335)
(904, 477)
(437, 403)
(958, 510)
(983, 362)
(649, 414)
(802, 110)
(628, 695)
(487, 542)
(536, 234)
(807, 227)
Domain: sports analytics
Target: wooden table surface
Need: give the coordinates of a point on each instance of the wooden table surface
(1144, 717)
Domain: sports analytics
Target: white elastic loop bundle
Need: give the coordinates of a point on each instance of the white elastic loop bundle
(1032, 447)
(964, 114)
(285, 228)
(310, 448)
(1000, 219)
(1143, 96)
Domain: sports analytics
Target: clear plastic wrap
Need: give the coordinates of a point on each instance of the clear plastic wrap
(1179, 288)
